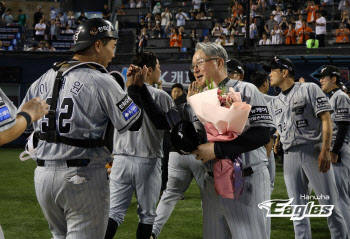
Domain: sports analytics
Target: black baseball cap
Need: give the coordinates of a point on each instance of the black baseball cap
(328, 70)
(234, 66)
(280, 63)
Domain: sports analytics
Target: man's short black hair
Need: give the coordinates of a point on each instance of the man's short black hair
(177, 85)
(145, 58)
(258, 78)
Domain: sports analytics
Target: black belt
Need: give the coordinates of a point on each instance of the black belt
(70, 163)
(246, 172)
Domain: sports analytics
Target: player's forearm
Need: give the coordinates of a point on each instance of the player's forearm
(327, 130)
(341, 135)
(14, 132)
(159, 118)
(248, 141)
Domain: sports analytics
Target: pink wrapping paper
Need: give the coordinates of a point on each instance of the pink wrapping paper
(222, 124)
(206, 106)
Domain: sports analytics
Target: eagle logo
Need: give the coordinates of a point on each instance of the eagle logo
(93, 31)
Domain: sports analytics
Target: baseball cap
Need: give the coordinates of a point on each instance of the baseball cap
(186, 136)
(280, 63)
(234, 66)
(328, 70)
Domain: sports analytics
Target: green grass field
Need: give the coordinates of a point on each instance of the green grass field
(21, 216)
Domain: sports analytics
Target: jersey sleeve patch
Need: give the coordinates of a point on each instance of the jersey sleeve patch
(342, 113)
(127, 107)
(4, 114)
(258, 113)
(322, 102)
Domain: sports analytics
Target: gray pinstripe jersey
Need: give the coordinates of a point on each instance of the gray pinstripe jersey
(147, 142)
(340, 103)
(268, 98)
(295, 115)
(259, 116)
(87, 100)
(7, 112)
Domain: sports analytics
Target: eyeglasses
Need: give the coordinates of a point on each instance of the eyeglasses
(200, 62)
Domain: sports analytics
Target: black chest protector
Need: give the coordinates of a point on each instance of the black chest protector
(52, 135)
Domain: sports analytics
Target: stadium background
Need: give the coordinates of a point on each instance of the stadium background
(20, 214)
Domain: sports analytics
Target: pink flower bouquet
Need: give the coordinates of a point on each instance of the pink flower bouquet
(224, 116)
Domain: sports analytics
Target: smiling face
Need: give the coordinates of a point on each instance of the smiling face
(326, 84)
(204, 69)
(176, 92)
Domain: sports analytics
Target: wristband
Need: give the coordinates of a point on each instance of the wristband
(26, 116)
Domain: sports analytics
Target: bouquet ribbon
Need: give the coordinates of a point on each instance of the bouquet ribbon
(228, 176)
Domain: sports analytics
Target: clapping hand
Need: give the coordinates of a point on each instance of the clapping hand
(136, 76)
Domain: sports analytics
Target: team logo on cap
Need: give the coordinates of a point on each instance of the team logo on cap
(75, 36)
(93, 31)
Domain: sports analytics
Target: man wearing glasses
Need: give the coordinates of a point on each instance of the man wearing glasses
(226, 218)
(238, 218)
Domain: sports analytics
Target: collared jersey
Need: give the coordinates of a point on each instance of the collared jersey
(296, 115)
(87, 100)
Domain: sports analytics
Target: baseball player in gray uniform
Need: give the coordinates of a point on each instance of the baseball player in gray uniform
(137, 161)
(12, 125)
(261, 81)
(70, 180)
(235, 69)
(235, 218)
(302, 116)
(182, 169)
(340, 156)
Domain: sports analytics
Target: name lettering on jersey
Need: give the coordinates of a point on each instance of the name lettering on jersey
(302, 123)
(43, 88)
(258, 113)
(127, 107)
(279, 111)
(1, 102)
(76, 87)
(283, 208)
(4, 114)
